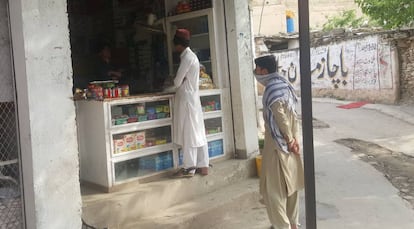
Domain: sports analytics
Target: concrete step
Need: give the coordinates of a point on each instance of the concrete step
(231, 207)
(144, 200)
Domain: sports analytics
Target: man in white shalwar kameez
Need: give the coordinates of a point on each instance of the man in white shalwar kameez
(282, 172)
(189, 131)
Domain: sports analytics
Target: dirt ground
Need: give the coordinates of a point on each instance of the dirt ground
(397, 167)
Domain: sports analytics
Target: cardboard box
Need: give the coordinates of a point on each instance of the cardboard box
(140, 139)
(119, 146)
(130, 142)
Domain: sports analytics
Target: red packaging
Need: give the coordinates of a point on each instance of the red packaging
(107, 93)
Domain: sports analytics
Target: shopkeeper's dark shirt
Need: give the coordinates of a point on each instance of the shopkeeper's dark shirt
(102, 70)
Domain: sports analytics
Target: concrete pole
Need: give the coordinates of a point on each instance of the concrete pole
(46, 113)
(239, 41)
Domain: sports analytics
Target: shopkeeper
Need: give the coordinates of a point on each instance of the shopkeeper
(104, 69)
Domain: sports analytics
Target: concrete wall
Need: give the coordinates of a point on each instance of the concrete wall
(46, 113)
(359, 68)
(239, 41)
(406, 53)
(274, 13)
(6, 85)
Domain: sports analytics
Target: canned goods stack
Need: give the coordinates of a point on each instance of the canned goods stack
(99, 90)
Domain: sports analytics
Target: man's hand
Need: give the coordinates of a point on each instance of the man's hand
(293, 146)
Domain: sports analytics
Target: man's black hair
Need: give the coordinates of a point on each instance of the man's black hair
(268, 62)
(181, 41)
(100, 45)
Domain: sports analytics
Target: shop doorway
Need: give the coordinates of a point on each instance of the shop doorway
(11, 211)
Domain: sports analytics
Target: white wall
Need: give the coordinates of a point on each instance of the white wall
(274, 13)
(46, 113)
(364, 66)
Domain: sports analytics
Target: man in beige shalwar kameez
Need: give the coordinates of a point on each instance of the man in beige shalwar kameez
(282, 171)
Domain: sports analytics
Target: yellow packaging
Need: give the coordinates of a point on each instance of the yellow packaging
(166, 109)
(130, 142)
(160, 142)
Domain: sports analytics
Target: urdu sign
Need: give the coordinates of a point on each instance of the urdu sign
(356, 64)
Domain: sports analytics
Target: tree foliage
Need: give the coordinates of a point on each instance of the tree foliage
(389, 13)
(347, 19)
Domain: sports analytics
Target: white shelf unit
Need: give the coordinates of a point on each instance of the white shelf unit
(100, 165)
(202, 43)
(213, 120)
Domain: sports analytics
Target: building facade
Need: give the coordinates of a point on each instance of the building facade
(46, 117)
(269, 16)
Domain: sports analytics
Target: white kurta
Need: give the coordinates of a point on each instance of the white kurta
(189, 128)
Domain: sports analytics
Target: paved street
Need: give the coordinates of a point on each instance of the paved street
(364, 162)
(350, 192)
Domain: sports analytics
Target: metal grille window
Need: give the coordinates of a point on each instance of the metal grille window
(10, 205)
(10, 194)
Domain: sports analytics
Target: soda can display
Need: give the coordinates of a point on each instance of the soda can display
(107, 92)
(119, 89)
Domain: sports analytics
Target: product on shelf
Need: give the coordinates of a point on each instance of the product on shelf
(119, 120)
(150, 141)
(161, 115)
(125, 90)
(159, 108)
(116, 111)
(211, 106)
(140, 139)
(166, 109)
(182, 7)
(160, 141)
(214, 130)
(132, 119)
(152, 116)
(143, 117)
(215, 148)
(130, 141)
(119, 146)
(141, 109)
(157, 162)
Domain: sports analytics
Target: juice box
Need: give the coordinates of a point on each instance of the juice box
(140, 139)
(130, 142)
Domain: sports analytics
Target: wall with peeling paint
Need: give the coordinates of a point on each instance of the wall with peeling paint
(363, 68)
(6, 85)
(43, 66)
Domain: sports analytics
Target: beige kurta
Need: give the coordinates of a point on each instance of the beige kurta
(282, 174)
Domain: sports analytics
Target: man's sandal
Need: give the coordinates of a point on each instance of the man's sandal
(203, 170)
(184, 173)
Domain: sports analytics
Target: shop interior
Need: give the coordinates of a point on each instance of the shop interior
(123, 67)
(129, 38)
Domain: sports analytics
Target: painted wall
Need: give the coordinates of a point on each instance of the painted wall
(364, 66)
(6, 85)
(274, 14)
(46, 113)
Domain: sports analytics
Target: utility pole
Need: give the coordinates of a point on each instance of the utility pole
(306, 100)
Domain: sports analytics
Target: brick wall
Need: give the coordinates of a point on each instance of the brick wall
(406, 56)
